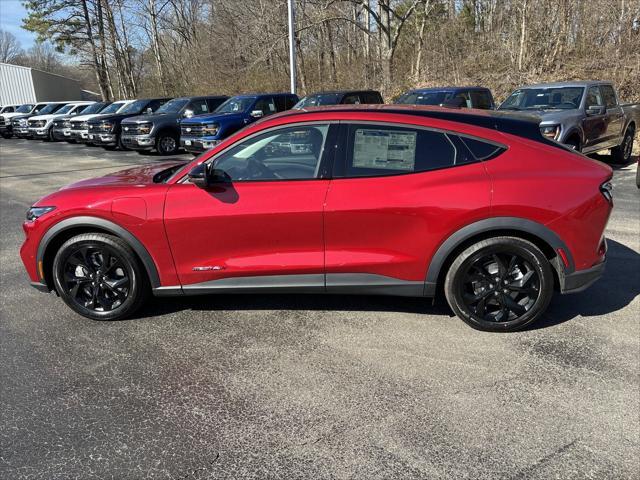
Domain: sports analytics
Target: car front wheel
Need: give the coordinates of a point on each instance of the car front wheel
(99, 277)
(167, 144)
(500, 284)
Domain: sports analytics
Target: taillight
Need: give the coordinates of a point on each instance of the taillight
(607, 191)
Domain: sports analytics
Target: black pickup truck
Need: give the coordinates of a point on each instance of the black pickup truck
(584, 115)
(161, 130)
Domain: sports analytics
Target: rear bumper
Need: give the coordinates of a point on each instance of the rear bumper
(582, 279)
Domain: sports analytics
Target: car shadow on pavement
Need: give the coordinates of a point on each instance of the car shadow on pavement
(617, 288)
(608, 160)
(619, 285)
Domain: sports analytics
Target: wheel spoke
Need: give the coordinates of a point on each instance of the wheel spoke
(501, 268)
(512, 264)
(513, 306)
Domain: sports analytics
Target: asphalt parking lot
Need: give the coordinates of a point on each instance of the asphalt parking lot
(293, 386)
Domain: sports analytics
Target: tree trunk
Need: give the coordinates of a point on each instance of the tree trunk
(523, 27)
(97, 66)
(155, 43)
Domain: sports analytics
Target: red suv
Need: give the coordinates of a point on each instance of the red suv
(389, 200)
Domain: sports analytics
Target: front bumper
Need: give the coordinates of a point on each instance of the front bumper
(22, 132)
(197, 144)
(62, 133)
(39, 132)
(102, 138)
(138, 142)
(6, 128)
(582, 279)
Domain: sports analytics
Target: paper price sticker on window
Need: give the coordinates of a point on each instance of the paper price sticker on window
(386, 149)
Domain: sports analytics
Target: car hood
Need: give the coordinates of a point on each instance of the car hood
(84, 118)
(141, 175)
(13, 114)
(145, 118)
(116, 116)
(219, 117)
(46, 117)
(554, 116)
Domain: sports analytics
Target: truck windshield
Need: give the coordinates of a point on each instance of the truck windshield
(236, 104)
(93, 108)
(553, 98)
(50, 108)
(426, 98)
(135, 107)
(113, 108)
(24, 109)
(173, 106)
(65, 109)
(319, 99)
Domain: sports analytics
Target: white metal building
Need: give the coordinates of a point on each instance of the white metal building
(28, 85)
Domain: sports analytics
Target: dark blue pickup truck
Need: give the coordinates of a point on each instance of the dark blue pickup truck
(461, 97)
(203, 132)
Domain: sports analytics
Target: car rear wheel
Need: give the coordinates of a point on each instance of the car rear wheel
(500, 284)
(99, 277)
(622, 153)
(167, 144)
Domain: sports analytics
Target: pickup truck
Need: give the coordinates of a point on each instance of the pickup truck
(79, 126)
(41, 126)
(456, 97)
(584, 115)
(61, 129)
(340, 97)
(106, 130)
(6, 129)
(203, 132)
(161, 129)
(20, 124)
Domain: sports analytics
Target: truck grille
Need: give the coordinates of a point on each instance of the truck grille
(37, 123)
(192, 130)
(136, 129)
(79, 125)
(99, 128)
(1, 120)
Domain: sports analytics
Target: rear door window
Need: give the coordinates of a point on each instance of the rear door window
(198, 106)
(372, 150)
(371, 97)
(594, 99)
(481, 99)
(609, 96)
(267, 105)
(352, 99)
(214, 103)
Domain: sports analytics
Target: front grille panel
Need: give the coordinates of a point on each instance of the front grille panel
(192, 130)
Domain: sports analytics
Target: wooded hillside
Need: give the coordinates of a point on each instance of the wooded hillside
(175, 47)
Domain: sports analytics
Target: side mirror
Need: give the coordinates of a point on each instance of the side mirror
(257, 114)
(596, 110)
(148, 111)
(188, 113)
(203, 176)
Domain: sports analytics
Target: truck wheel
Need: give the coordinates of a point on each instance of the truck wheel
(119, 144)
(622, 153)
(50, 136)
(6, 135)
(573, 143)
(167, 144)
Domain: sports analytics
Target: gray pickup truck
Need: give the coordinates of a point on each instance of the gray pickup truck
(583, 115)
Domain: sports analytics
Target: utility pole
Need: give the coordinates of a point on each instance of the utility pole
(292, 46)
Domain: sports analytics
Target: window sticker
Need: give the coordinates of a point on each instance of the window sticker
(385, 149)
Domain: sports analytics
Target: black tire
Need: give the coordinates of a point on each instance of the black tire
(510, 287)
(622, 153)
(167, 143)
(50, 136)
(93, 289)
(6, 135)
(573, 143)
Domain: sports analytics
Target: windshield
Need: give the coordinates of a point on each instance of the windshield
(173, 106)
(135, 107)
(426, 98)
(93, 108)
(317, 100)
(24, 109)
(113, 108)
(235, 104)
(50, 108)
(558, 98)
(65, 109)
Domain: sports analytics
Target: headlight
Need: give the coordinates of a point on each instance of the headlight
(37, 212)
(550, 131)
(211, 129)
(107, 126)
(66, 124)
(144, 128)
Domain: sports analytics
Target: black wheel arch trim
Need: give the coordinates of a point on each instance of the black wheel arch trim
(103, 224)
(494, 224)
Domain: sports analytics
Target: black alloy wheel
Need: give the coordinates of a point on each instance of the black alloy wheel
(500, 284)
(622, 153)
(99, 277)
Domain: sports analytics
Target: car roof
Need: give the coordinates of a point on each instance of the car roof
(576, 83)
(520, 124)
(445, 89)
(341, 92)
(280, 94)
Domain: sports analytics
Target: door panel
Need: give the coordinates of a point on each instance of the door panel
(246, 229)
(594, 126)
(390, 225)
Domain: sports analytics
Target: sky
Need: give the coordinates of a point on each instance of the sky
(11, 14)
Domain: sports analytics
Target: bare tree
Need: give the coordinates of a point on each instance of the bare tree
(10, 49)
